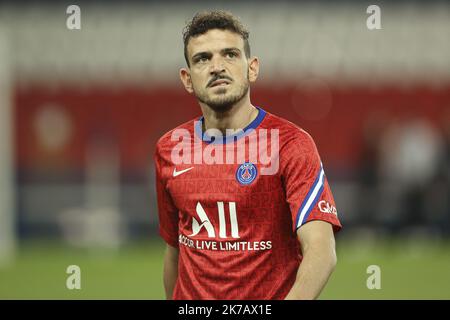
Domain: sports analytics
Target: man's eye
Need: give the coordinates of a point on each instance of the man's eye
(203, 59)
(231, 54)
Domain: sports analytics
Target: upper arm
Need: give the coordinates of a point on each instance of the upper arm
(307, 190)
(317, 234)
(172, 252)
(167, 211)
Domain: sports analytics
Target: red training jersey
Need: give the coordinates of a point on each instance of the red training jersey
(234, 215)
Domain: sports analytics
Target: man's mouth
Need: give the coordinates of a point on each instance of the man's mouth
(219, 82)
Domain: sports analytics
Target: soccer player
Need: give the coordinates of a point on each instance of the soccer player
(238, 226)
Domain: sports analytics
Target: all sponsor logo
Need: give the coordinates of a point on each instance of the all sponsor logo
(206, 223)
(227, 239)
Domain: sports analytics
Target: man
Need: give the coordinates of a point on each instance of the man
(236, 225)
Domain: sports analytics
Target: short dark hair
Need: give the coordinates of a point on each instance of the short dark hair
(218, 19)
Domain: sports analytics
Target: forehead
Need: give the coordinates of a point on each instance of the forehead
(215, 40)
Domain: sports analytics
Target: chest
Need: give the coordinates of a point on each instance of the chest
(210, 184)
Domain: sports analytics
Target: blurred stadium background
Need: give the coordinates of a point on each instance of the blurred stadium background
(81, 110)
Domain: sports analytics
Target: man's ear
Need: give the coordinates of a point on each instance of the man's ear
(253, 69)
(185, 77)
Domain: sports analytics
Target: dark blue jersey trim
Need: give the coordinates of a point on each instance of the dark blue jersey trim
(208, 139)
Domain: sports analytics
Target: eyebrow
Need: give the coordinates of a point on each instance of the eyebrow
(209, 54)
(230, 49)
(201, 55)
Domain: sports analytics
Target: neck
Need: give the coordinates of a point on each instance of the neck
(238, 117)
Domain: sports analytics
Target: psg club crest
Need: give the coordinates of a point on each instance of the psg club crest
(246, 173)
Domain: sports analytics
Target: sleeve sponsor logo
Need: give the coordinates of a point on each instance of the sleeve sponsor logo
(326, 207)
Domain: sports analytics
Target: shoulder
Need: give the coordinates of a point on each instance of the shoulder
(298, 153)
(291, 136)
(166, 142)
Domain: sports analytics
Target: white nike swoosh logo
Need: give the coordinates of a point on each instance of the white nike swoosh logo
(177, 173)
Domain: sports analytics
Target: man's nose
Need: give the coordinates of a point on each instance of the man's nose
(217, 66)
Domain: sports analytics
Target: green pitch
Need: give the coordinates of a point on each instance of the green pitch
(409, 270)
